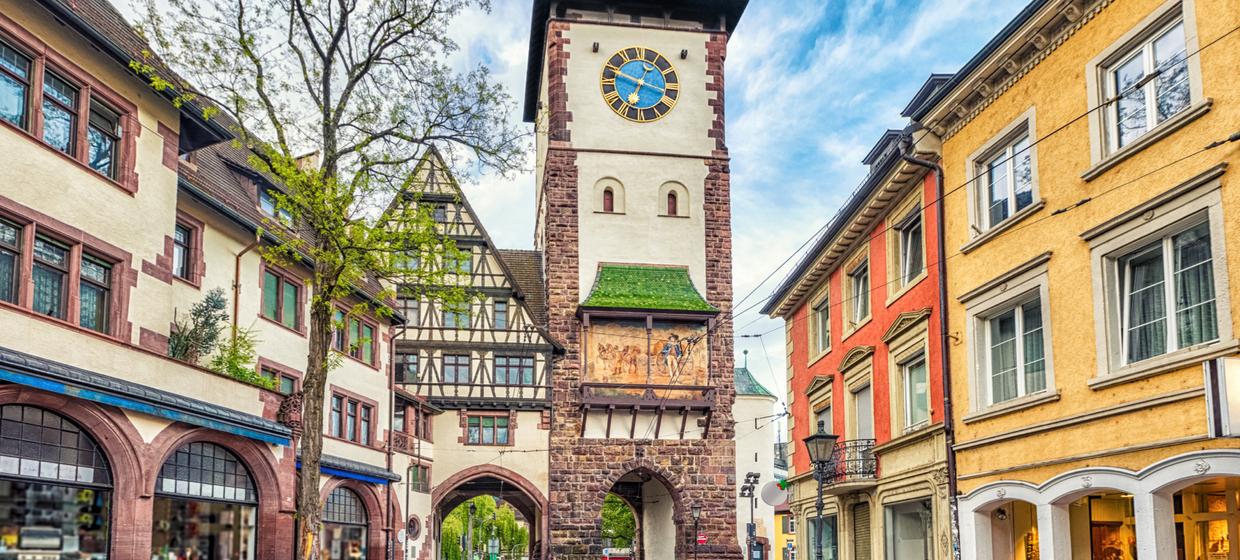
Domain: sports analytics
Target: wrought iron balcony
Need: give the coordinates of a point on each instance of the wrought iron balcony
(854, 465)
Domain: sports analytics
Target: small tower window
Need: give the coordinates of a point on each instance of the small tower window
(671, 204)
(609, 200)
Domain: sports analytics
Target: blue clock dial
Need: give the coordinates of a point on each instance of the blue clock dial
(640, 84)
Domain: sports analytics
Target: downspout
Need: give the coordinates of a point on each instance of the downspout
(391, 547)
(236, 306)
(949, 429)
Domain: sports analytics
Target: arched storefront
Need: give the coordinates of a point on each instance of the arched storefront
(55, 486)
(346, 526)
(205, 506)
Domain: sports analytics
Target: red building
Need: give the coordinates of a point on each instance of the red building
(864, 355)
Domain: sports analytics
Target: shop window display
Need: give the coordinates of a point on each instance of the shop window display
(344, 526)
(204, 507)
(54, 488)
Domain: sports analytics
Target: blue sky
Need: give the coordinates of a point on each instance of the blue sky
(811, 85)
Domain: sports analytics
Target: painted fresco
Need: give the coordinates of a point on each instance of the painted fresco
(620, 352)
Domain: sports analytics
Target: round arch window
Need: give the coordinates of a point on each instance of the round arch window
(54, 473)
(205, 506)
(345, 525)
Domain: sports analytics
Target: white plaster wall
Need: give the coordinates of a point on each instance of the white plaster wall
(594, 125)
(452, 457)
(755, 452)
(645, 425)
(641, 235)
(658, 527)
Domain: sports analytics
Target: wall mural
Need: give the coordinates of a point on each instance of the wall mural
(621, 352)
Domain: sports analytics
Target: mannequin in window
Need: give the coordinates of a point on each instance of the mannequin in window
(609, 200)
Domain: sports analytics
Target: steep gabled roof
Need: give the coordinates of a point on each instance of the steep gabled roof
(527, 270)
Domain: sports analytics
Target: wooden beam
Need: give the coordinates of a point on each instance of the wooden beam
(633, 421)
(658, 424)
(684, 418)
(610, 411)
(585, 415)
(706, 429)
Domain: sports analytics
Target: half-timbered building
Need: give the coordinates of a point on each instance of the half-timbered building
(474, 377)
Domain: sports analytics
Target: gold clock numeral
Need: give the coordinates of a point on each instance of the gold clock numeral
(611, 97)
(609, 82)
(654, 66)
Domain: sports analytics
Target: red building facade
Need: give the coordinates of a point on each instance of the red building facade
(864, 360)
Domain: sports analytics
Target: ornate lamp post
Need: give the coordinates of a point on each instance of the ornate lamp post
(821, 448)
(697, 514)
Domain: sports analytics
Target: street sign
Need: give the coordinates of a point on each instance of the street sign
(701, 538)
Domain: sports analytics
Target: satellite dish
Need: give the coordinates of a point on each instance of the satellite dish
(773, 494)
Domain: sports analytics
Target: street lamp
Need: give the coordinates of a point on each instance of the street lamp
(469, 539)
(697, 514)
(751, 483)
(821, 448)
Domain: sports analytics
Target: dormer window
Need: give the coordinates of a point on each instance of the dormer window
(267, 204)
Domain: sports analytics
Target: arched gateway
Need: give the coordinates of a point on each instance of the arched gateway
(507, 487)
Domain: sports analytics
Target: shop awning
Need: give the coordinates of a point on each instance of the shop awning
(354, 470)
(55, 377)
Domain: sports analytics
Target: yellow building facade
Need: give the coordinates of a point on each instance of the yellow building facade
(1091, 218)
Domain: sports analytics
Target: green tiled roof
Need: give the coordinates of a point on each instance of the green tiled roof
(747, 385)
(631, 286)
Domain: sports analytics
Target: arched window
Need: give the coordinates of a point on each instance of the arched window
(198, 485)
(345, 524)
(609, 200)
(672, 210)
(52, 470)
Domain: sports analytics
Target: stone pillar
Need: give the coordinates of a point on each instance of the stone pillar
(1054, 531)
(1155, 525)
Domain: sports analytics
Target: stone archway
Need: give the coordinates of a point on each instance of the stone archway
(492, 480)
(662, 531)
(374, 504)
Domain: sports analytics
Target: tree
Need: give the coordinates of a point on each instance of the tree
(361, 86)
(514, 536)
(195, 336)
(619, 523)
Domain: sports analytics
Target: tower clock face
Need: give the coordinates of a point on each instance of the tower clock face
(640, 84)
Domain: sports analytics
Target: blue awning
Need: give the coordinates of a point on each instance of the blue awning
(354, 470)
(55, 377)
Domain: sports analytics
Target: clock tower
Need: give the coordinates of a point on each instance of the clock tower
(634, 223)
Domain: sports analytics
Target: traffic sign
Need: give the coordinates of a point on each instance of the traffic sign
(701, 538)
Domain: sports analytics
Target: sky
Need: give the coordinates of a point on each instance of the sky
(811, 86)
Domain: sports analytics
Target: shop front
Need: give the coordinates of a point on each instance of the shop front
(205, 506)
(345, 526)
(55, 488)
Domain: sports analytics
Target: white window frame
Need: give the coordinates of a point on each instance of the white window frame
(981, 230)
(910, 210)
(1144, 48)
(1103, 152)
(1014, 287)
(905, 370)
(854, 320)
(820, 309)
(1163, 215)
(1015, 306)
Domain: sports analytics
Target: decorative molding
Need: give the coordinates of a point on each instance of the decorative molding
(904, 322)
(819, 382)
(1155, 202)
(1004, 278)
(855, 356)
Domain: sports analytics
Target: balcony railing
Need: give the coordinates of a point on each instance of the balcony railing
(403, 443)
(854, 462)
(666, 396)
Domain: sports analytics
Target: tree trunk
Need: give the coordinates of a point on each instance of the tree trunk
(309, 508)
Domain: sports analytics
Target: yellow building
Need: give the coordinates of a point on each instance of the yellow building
(1091, 226)
(785, 546)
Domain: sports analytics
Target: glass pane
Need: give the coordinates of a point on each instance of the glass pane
(51, 253)
(1171, 62)
(8, 275)
(1147, 309)
(102, 153)
(287, 385)
(12, 100)
(1130, 109)
(1022, 173)
(917, 391)
(864, 403)
(289, 312)
(1196, 319)
(49, 288)
(910, 239)
(60, 90)
(95, 270)
(53, 520)
(14, 62)
(206, 470)
(997, 189)
(271, 294)
(908, 531)
(344, 506)
(1033, 340)
(94, 307)
(266, 202)
(1003, 357)
(367, 341)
